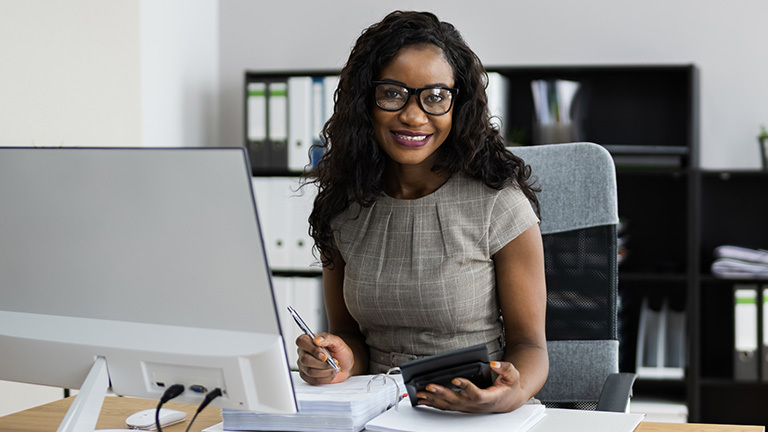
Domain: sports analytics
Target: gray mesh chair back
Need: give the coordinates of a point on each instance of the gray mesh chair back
(579, 217)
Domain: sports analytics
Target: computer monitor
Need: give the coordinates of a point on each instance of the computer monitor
(144, 267)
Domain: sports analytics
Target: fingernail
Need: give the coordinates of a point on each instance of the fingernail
(430, 388)
(318, 339)
(456, 381)
(495, 364)
(324, 357)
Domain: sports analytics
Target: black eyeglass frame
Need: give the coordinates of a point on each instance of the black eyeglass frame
(417, 92)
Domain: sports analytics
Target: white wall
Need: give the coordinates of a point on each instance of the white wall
(179, 73)
(169, 73)
(109, 73)
(70, 73)
(726, 40)
(17, 396)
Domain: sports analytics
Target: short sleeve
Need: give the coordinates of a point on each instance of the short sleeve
(511, 215)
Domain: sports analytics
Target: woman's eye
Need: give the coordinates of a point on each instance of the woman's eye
(393, 94)
(434, 98)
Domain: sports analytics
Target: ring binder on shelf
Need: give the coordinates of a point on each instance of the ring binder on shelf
(277, 113)
(745, 333)
(256, 125)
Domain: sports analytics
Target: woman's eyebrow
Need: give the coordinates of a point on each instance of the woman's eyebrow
(400, 83)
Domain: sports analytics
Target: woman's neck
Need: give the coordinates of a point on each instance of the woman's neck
(412, 182)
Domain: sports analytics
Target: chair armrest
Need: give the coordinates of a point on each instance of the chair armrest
(616, 392)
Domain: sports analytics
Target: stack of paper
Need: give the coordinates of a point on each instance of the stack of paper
(426, 419)
(345, 406)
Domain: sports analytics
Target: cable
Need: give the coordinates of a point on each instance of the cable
(213, 394)
(170, 393)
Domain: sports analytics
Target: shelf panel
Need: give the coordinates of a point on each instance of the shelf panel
(729, 383)
(297, 273)
(708, 278)
(651, 277)
(661, 374)
(733, 403)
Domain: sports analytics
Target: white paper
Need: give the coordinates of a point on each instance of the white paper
(426, 419)
(558, 420)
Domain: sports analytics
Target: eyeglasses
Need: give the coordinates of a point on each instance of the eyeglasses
(432, 100)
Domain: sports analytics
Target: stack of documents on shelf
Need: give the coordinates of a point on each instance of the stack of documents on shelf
(734, 262)
(661, 342)
(345, 406)
(426, 419)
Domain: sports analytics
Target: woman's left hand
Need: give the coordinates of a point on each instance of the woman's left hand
(504, 395)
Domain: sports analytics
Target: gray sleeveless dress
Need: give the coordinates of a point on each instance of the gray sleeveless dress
(419, 278)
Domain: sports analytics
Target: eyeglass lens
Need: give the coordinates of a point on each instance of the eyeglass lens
(392, 97)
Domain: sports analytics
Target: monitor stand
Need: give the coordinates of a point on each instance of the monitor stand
(84, 411)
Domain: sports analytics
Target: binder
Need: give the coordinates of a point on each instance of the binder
(299, 122)
(674, 351)
(764, 353)
(308, 302)
(278, 126)
(264, 196)
(323, 91)
(318, 115)
(330, 84)
(660, 342)
(284, 210)
(282, 287)
(648, 352)
(745, 333)
(300, 243)
(256, 125)
(281, 209)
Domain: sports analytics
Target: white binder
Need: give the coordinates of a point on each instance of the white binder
(299, 122)
(745, 333)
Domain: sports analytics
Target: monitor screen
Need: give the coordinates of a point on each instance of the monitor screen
(151, 259)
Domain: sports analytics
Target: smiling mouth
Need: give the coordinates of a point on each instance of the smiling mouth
(411, 140)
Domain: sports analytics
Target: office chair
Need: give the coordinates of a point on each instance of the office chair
(579, 217)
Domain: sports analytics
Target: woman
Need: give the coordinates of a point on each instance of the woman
(424, 223)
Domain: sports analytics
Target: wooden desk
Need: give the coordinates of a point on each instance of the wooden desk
(46, 418)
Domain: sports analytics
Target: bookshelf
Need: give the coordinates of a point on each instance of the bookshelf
(647, 117)
(731, 210)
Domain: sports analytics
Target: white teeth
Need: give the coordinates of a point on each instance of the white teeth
(412, 138)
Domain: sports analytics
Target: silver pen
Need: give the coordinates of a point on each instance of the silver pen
(305, 328)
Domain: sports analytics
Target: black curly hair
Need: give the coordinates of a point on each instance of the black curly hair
(352, 166)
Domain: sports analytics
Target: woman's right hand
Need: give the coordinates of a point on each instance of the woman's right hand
(312, 364)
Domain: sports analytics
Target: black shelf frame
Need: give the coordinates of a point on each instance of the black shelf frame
(650, 111)
(728, 210)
